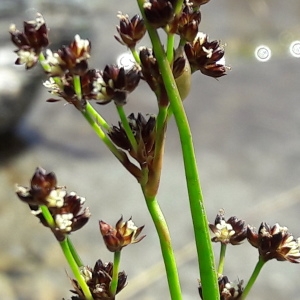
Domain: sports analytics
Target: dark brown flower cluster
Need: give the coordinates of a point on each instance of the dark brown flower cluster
(98, 280)
(206, 56)
(274, 243)
(31, 42)
(144, 133)
(65, 208)
(69, 75)
(113, 83)
(130, 31)
(159, 12)
(120, 236)
(228, 290)
(186, 23)
(233, 231)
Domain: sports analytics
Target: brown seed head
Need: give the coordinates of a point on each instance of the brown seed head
(228, 290)
(274, 243)
(186, 24)
(233, 231)
(158, 12)
(123, 234)
(130, 31)
(98, 280)
(30, 42)
(115, 84)
(205, 56)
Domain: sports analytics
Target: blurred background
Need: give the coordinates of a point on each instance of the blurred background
(246, 129)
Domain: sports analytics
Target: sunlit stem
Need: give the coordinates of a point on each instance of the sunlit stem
(77, 86)
(253, 278)
(115, 276)
(126, 127)
(222, 258)
(166, 247)
(73, 265)
(135, 55)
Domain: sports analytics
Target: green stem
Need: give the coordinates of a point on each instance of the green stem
(127, 128)
(97, 117)
(115, 276)
(74, 253)
(170, 47)
(161, 121)
(73, 265)
(253, 278)
(222, 258)
(100, 133)
(206, 263)
(166, 247)
(47, 215)
(77, 86)
(135, 55)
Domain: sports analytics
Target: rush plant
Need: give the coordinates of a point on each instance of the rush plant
(177, 51)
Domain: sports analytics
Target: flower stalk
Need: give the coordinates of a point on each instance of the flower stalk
(166, 247)
(200, 223)
(115, 275)
(253, 277)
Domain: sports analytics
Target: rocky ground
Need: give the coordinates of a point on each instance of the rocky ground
(246, 132)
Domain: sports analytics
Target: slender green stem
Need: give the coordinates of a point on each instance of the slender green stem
(44, 63)
(100, 133)
(121, 156)
(115, 276)
(73, 265)
(207, 270)
(96, 116)
(126, 127)
(135, 55)
(222, 258)
(170, 47)
(178, 6)
(166, 247)
(160, 129)
(47, 215)
(253, 278)
(74, 252)
(77, 86)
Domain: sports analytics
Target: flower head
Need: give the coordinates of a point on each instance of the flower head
(70, 59)
(42, 191)
(274, 242)
(228, 290)
(123, 234)
(233, 231)
(186, 23)
(98, 280)
(66, 209)
(30, 42)
(158, 12)
(143, 131)
(205, 56)
(130, 31)
(115, 84)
